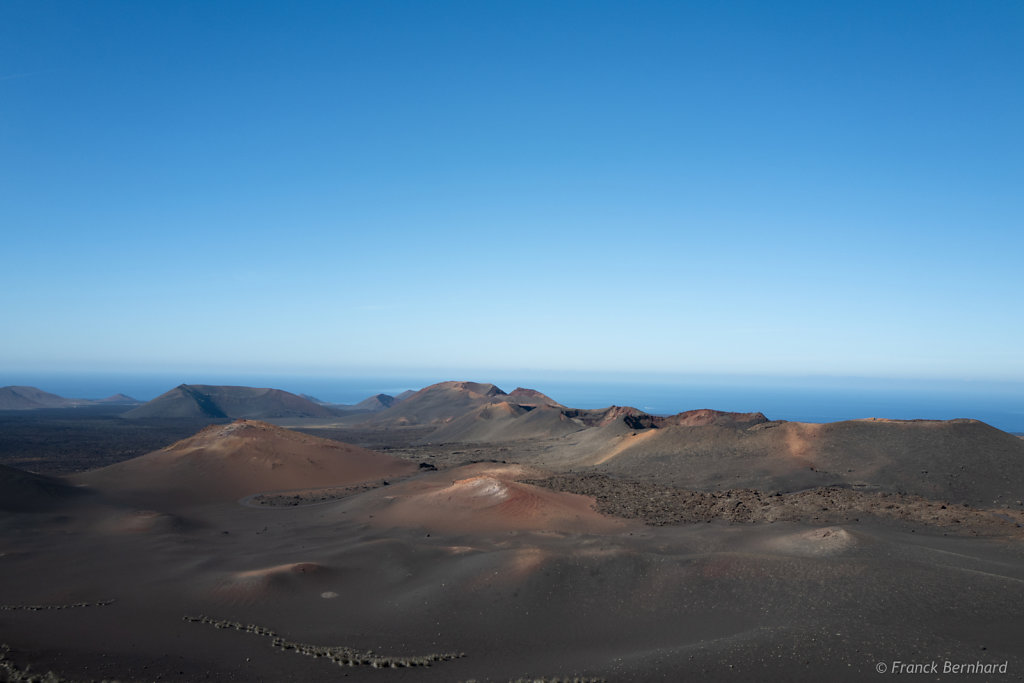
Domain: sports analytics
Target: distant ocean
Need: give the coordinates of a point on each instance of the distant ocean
(1000, 404)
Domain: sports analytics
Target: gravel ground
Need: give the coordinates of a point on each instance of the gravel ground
(659, 505)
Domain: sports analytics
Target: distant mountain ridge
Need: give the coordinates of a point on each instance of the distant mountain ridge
(443, 402)
(505, 419)
(32, 398)
(232, 402)
(956, 460)
(474, 411)
(959, 460)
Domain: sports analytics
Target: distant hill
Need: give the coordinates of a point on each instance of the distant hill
(119, 399)
(956, 460)
(375, 403)
(962, 461)
(227, 462)
(527, 397)
(439, 403)
(484, 416)
(205, 401)
(471, 411)
(31, 398)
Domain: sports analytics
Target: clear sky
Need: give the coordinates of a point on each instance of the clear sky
(829, 188)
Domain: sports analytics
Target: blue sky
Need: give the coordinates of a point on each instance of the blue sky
(744, 188)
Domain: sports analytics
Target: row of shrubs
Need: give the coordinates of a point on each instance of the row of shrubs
(40, 608)
(340, 655)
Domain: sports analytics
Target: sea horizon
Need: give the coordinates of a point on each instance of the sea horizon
(799, 399)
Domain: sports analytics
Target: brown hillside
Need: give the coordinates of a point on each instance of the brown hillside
(22, 491)
(955, 460)
(705, 417)
(532, 397)
(438, 403)
(502, 421)
(484, 497)
(227, 462)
